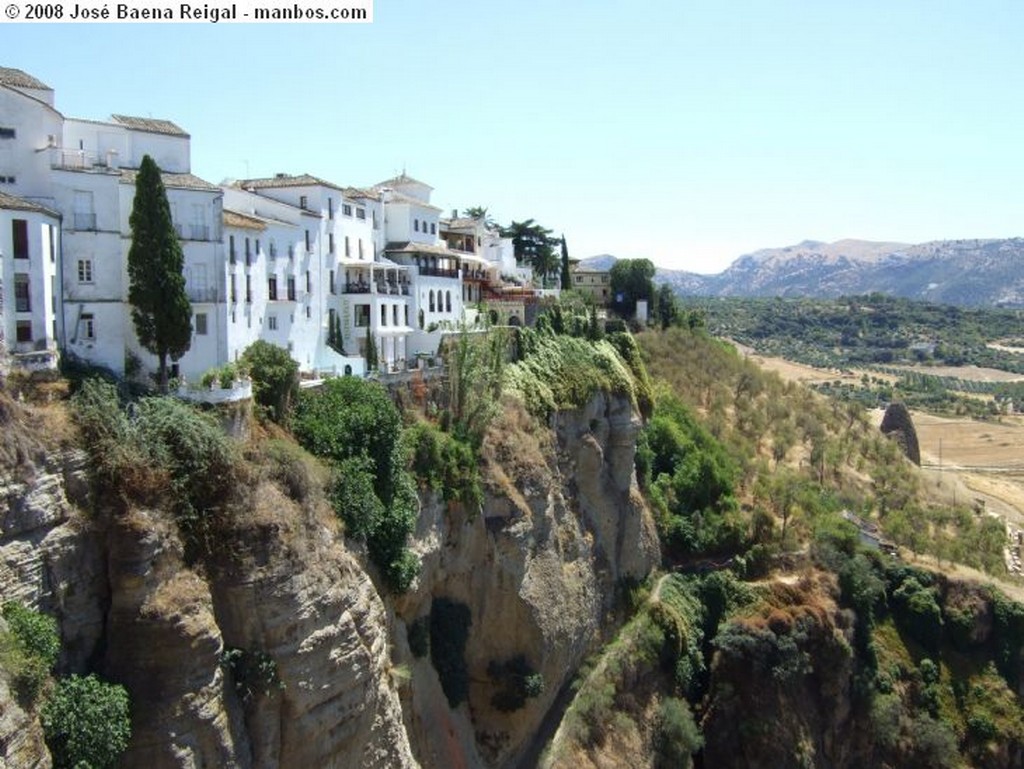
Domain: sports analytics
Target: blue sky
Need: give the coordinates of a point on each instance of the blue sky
(686, 132)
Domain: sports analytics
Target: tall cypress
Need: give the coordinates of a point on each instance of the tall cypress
(161, 311)
(566, 278)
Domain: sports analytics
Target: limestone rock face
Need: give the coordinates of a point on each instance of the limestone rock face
(51, 554)
(298, 596)
(897, 425)
(21, 736)
(562, 523)
(164, 646)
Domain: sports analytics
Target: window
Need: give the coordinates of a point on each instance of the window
(330, 208)
(201, 327)
(303, 202)
(291, 289)
(309, 287)
(248, 253)
(331, 284)
(360, 248)
(53, 244)
(361, 213)
(272, 288)
(272, 322)
(257, 249)
(7, 180)
(87, 326)
(19, 234)
(309, 311)
(432, 306)
(248, 289)
(234, 290)
(348, 251)
(7, 133)
(362, 315)
(448, 301)
(433, 228)
(307, 240)
(376, 224)
(383, 315)
(346, 209)
(231, 247)
(85, 270)
(273, 248)
(23, 331)
(394, 315)
(416, 224)
(407, 315)
(22, 302)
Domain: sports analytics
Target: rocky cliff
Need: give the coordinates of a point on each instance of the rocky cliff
(277, 649)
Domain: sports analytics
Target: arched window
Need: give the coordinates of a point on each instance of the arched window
(448, 301)
(422, 323)
(432, 306)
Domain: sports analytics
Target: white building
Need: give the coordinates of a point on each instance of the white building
(300, 262)
(29, 295)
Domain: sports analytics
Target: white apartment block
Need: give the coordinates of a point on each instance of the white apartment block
(285, 258)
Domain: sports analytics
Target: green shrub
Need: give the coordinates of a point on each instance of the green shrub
(446, 464)
(449, 631)
(354, 424)
(275, 378)
(28, 650)
(677, 736)
(86, 723)
(254, 673)
(298, 473)
(517, 682)
(916, 609)
(36, 633)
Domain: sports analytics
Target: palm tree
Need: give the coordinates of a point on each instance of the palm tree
(533, 244)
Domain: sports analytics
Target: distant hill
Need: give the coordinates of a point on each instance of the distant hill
(962, 272)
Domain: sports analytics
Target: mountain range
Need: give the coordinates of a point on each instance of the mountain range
(961, 272)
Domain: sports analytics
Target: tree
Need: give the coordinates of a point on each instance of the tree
(480, 214)
(86, 722)
(371, 352)
(669, 311)
(275, 378)
(566, 278)
(534, 245)
(161, 310)
(632, 280)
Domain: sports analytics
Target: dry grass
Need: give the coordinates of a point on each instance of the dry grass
(516, 450)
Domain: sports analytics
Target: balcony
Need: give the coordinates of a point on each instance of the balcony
(80, 160)
(474, 275)
(199, 231)
(83, 222)
(358, 287)
(438, 272)
(201, 294)
(377, 287)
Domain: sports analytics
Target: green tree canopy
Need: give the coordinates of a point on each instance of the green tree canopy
(566, 278)
(534, 245)
(275, 378)
(632, 280)
(86, 722)
(161, 310)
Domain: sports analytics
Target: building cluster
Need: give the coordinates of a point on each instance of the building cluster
(321, 269)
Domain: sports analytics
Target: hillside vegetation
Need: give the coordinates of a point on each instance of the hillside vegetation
(779, 640)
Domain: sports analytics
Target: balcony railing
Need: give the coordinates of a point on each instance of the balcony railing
(438, 272)
(201, 293)
(199, 231)
(79, 160)
(474, 275)
(379, 287)
(84, 221)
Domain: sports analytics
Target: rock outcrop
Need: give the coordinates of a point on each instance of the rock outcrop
(563, 523)
(898, 426)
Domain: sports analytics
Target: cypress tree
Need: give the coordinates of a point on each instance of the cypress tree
(566, 278)
(161, 311)
(371, 352)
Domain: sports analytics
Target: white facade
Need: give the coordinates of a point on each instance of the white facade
(287, 259)
(29, 248)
